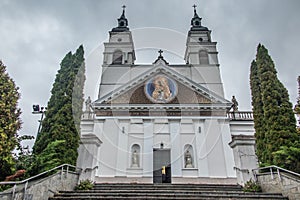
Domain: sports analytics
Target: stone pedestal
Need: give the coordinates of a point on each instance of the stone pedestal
(88, 155)
(244, 157)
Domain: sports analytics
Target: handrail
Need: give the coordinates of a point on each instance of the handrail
(278, 169)
(33, 177)
(15, 183)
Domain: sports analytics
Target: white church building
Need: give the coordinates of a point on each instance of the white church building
(164, 123)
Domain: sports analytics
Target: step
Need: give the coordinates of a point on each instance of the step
(143, 191)
(162, 186)
(165, 192)
(169, 195)
(117, 196)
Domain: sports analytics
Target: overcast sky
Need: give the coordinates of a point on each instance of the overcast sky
(36, 35)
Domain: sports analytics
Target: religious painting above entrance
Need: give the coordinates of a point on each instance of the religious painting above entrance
(161, 89)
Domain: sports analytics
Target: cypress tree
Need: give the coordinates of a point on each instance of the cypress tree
(257, 106)
(62, 117)
(297, 107)
(275, 126)
(10, 122)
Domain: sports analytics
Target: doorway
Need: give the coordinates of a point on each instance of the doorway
(162, 166)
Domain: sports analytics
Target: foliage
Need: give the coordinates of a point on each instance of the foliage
(4, 187)
(85, 185)
(10, 122)
(257, 106)
(51, 156)
(288, 156)
(274, 119)
(252, 186)
(297, 107)
(62, 118)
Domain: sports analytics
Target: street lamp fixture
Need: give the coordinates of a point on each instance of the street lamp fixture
(39, 110)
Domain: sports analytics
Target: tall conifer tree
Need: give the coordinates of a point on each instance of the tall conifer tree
(297, 107)
(10, 122)
(273, 114)
(258, 113)
(60, 126)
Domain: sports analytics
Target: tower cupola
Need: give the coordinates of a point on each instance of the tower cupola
(122, 22)
(196, 22)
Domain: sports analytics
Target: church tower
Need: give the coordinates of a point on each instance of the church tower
(118, 56)
(202, 54)
(161, 122)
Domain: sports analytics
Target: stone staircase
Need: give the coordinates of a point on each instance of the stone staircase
(164, 191)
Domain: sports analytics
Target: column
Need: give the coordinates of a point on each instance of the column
(176, 167)
(88, 155)
(148, 149)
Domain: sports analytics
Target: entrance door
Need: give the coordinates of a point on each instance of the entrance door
(161, 166)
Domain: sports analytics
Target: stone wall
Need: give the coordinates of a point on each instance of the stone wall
(44, 188)
(287, 185)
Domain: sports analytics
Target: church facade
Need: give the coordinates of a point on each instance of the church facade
(164, 123)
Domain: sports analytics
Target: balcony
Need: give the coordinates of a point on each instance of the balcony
(240, 116)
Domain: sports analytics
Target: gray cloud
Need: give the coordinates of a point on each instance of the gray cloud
(35, 36)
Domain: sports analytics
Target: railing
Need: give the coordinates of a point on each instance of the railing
(275, 170)
(63, 168)
(240, 115)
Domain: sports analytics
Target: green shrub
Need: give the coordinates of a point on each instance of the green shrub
(85, 185)
(252, 186)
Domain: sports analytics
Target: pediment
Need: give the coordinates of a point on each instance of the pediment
(161, 85)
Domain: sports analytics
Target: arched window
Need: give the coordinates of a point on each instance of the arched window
(203, 57)
(117, 57)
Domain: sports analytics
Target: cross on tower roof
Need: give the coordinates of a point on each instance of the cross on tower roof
(194, 7)
(160, 52)
(123, 7)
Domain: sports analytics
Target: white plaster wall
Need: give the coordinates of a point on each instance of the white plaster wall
(213, 58)
(184, 71)
(212, 155)
(138, 70)
(214, 147)
(206, 74)
(148, 149)
(125, 36)
(109, 148)
(115, 75)
(228, 152)
(87, 126)
(98, 128)
(200, 148)
(122, 148)
(105, 89)
(176, 155)
(242, 128)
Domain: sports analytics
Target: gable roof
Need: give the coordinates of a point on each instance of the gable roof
(161, 69)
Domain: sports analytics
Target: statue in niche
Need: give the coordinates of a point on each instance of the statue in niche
(188, 159)
(135, 159)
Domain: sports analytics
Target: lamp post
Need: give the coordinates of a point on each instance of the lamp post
(39, 110)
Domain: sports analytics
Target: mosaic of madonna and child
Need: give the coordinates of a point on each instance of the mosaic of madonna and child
(161, 89)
